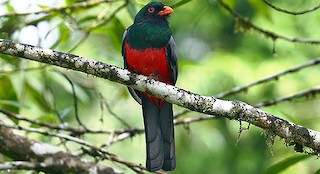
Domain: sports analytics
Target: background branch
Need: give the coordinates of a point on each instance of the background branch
(103, 153)
(43, 157)
(291, 12)
(305, 93)
(78, 5)
(245, 24)
(269, 78)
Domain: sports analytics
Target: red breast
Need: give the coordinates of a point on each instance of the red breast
(149, 62)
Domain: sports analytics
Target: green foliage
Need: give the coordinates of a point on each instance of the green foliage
(286, 163)
(216, 54)
(47, 118)
(8, 97)
(180, 3)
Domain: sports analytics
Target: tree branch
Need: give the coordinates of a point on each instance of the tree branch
(234, 110)
(17, 165)
(98, 151)
(305, 93)
(43, 157)
(269, 78)
(291, 12)
(85, 4)
(246, 25)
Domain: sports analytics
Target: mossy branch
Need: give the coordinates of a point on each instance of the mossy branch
(234, 110)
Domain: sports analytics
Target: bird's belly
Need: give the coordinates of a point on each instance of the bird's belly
(149, 62)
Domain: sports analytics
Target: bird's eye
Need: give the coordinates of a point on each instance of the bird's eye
(151, 9)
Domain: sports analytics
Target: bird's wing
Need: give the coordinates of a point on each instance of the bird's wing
(131, 90)
(172, 57)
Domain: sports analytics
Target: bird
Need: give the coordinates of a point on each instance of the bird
(148, 48)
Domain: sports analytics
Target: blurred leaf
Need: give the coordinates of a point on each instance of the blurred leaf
(8, 93)
(65, 34)
(142, 2)
(43, 6)
(38, 97)
(132, 9)
(87, 19)
(55, 44)
(115, 33)
(69, 2)
(10, 24)
(10, 59)
(231, 3)
(286, 163)
(9, 7)
(36, 21)
(180, 3)
(65, 113)
(12, 103)
(261, 8)
(47, 118)
(57, 40)
(4, 35)
(291, 118)
(317, 172)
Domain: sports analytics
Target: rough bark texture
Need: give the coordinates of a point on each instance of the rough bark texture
(44, 157)
(234, 110)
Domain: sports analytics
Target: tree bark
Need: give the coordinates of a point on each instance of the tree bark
(39, 156)
(234, 110)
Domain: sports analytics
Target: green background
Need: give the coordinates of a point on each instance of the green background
(216, 54)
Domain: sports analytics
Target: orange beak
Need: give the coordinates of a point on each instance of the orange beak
(166, 11)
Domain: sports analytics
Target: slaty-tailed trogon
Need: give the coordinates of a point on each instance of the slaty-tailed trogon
(148, 48)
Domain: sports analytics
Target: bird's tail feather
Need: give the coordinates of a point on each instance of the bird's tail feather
(154, 140)
(159, 130)
(167, 130)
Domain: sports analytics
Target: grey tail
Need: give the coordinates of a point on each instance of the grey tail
(167, 129)
(159, 133)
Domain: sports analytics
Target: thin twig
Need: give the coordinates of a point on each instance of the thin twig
(75, 99)
(291, 12)
(121, 134)
(50, 133)
(106, 104)
(84, 4)
(74, 131)
(180, 113)
(306, 93)
(269, 78)
(194, 119)
(242, 21)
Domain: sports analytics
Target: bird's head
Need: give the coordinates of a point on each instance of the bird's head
(153, 12)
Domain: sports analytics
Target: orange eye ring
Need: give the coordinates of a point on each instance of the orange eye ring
(151, 9)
